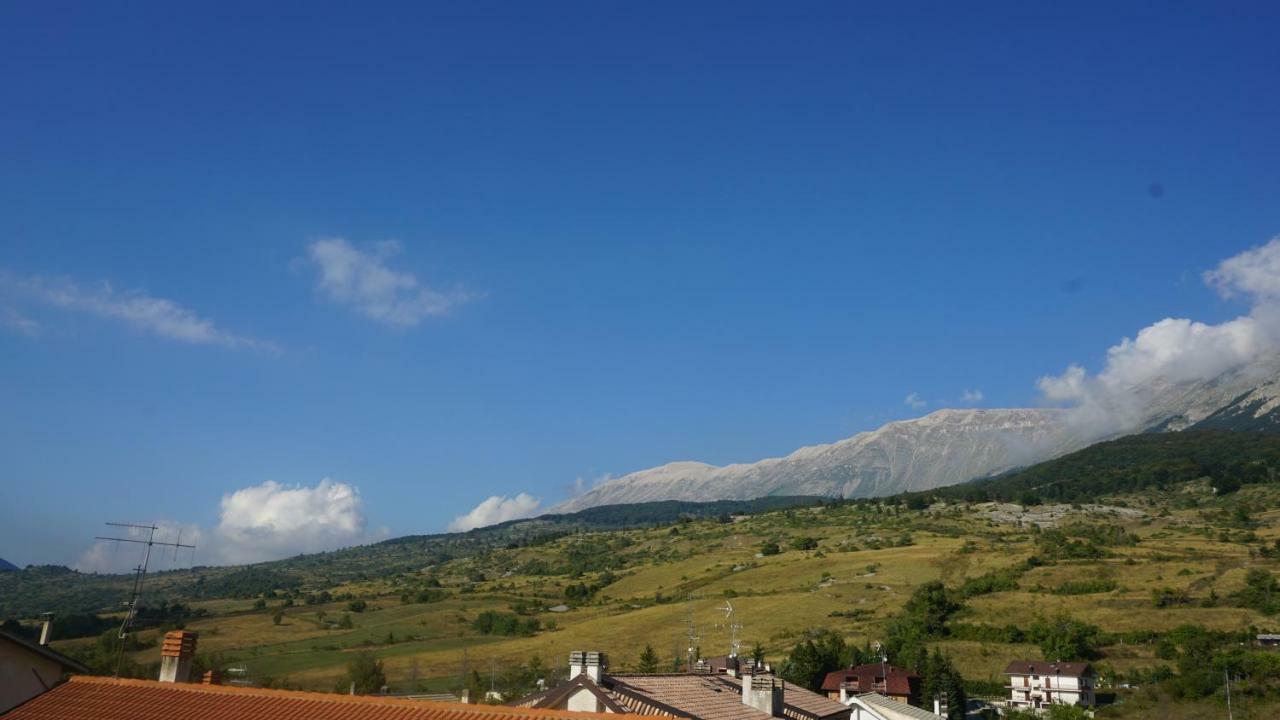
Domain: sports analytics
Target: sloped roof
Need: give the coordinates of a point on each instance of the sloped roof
(557, 694)
(100, 698)
(897, 680)
(803, 699)
(68, 664)
(891, 709)
(706, 697)
(1044, 667)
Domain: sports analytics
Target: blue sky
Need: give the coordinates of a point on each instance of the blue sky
(580, 238)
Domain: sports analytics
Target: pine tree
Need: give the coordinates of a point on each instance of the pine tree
(941, 681)
(648, 664)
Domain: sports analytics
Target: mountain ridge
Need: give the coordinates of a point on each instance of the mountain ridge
(953, 445)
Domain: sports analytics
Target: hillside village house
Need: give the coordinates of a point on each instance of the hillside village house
(28, 669)
(741, 691)
(889, 681)
(1035, 684)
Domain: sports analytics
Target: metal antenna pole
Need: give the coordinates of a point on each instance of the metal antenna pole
(1226, 676)
(139, 576)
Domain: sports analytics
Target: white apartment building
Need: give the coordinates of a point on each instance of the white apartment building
(1035, 684)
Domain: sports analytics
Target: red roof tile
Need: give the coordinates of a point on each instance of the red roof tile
(1044, 667)
(98, 698)
(863, 677)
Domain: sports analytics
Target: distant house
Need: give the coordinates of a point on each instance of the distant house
(739, 691)
(1035, 684)
(1268, 640)
(889, 681)
(28, 669)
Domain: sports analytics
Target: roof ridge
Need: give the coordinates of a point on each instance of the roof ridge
(313, 696)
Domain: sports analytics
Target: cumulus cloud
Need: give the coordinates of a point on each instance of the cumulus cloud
(107, 556)
(256, 523)
(272, 520)
(157, 316)
(914, 401)
(496, 509)
(972, 396)
(363, 280)
(1176, 350)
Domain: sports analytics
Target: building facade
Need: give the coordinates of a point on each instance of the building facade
(1035, 684)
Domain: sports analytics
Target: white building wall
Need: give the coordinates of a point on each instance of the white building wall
(584, 701)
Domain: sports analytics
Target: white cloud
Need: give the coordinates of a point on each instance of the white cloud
(157, 316)
(582, 484)
(273, 520)
(1177, 350)
(16, 321)
(1254, 272)
(914, 401)
(257, 523)
(972, 396)
(364, 281)
(496, 509)
(106, 556)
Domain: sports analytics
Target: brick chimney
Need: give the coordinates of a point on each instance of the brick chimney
(590, 662)
(176, 654)
(761, 691)
(211, 677)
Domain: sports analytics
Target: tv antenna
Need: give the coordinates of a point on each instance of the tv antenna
(692, 636)
(734, 627)
(140, 574)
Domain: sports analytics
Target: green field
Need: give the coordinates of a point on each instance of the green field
(1136, 564)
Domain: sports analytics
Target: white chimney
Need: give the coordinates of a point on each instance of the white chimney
(176, 654)
(761, 691)
(46, 629)
(590, 662)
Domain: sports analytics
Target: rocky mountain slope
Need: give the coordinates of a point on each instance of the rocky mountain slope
(953, 446)
(945, 447)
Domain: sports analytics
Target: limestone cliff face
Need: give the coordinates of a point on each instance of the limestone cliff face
(953, 446)
(945, 447)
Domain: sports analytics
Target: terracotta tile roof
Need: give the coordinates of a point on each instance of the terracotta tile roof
(1044, 667)
(864, 679)
(804, 700)
(706, 697)
(98, 698)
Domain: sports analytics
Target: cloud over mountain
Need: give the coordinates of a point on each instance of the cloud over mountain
(272, 520)
(1178, 350)
(496, 509)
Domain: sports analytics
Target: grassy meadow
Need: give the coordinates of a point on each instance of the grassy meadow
(864, 560)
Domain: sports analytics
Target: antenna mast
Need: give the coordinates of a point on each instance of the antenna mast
(140, 575)
(692, 635)
(734, 627)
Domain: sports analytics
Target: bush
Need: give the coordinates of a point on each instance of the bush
(365, 672)
(804, 543)
(492, 622)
